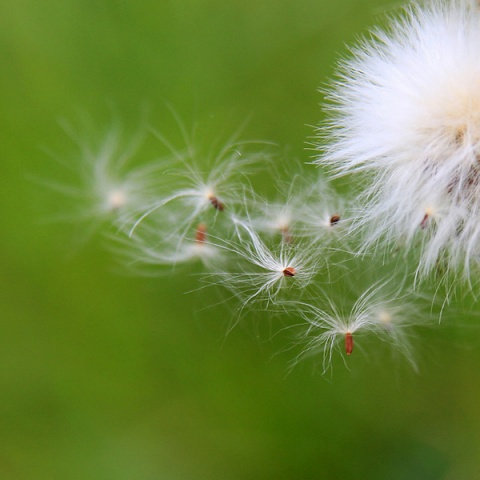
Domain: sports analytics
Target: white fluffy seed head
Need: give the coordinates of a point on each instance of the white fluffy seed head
(406, 111)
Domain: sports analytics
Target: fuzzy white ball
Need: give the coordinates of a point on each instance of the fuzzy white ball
(406, 112)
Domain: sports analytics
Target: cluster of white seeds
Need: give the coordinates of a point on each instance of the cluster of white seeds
(404, 124)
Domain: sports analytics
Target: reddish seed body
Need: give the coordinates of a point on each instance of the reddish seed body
(289, 272)
(201, 233)
(348, 343)
(423, 223)
(334, 219)
(216, 203)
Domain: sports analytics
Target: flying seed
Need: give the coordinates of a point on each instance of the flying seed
(289, 272)
(348, 343)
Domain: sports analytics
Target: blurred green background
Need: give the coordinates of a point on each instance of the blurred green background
(104, 376)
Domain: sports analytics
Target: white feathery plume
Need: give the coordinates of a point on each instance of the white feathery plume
(263, 272)
(303, 209)
(325, 215)
(379, 310)
(199, 189)
(105, 186)
(151, 248)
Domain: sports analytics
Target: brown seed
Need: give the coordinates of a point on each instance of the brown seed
(289, 272)
(216, 203)
(348, 343)
(201, 233)
(334, 219)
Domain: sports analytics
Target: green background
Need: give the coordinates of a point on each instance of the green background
(108, 376)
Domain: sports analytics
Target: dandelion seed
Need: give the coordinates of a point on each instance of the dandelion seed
(262, 272)
(307, 211)
(276, 218)
(325, 215)
(153, 247)
(326, 328)
(106, 187)
(381, 312)
(196, 189)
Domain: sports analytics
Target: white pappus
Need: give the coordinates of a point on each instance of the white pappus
(405, 117)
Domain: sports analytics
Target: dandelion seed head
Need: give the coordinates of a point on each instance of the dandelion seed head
(406, 111)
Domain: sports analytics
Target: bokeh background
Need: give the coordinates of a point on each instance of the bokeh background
(109, 376)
